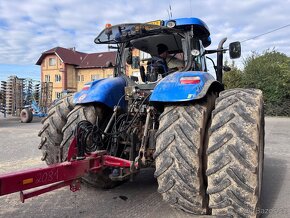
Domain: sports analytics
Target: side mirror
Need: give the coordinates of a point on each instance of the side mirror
(235, 50)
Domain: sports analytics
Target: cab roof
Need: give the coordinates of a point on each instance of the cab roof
(126, 32)
(200, 29)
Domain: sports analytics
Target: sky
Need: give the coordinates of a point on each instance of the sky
(30, 27)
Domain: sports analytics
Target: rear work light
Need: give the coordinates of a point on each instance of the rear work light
(190, 80)
(108, 25)
(171, 24)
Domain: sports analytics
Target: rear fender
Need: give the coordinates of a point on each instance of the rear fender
(108, 91)
(170, 89)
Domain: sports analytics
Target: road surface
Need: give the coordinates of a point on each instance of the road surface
(18, 150)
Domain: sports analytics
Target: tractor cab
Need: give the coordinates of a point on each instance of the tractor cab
(185, 39)
(181, 76)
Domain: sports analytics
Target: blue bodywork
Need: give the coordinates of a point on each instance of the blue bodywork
(170, 89)
(111, 91)
(200, 29)
(108, 91)
(189, 21)
(37, 110)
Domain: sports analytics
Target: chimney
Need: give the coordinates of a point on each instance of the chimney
(72, 49)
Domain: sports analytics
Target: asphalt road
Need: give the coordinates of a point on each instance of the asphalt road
(18, 150)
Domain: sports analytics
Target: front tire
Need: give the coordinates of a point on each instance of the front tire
(179, 150)
(235, 153)
(50, 133)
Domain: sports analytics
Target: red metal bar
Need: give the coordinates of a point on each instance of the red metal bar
(59, 175)
(115, 161)
(72, 150)
(13, 182)
(24, 196)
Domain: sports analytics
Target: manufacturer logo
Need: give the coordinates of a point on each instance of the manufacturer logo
(82, 97)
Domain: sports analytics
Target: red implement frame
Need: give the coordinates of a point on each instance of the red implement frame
(59, 175)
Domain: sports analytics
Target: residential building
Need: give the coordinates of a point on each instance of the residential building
(69, 69)
(134, 68)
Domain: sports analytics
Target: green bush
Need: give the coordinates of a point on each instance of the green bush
(269, 72)
(233, 78)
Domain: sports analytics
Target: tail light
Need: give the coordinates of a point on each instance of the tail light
(86, 87)
(190, 80)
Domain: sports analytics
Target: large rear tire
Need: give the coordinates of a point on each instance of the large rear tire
(50, 133)
(89, 113)
(235, 153)
(179, 150)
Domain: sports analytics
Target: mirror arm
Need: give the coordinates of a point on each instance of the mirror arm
(210, 51)
(112, 47)
(215, 51)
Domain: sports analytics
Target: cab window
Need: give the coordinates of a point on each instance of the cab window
(198, 58)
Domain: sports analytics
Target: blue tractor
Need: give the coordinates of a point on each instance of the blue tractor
(205, 143)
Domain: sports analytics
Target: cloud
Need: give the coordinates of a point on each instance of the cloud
(28, 27)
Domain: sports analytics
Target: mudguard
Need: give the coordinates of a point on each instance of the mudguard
(108, 91)
(172, 89)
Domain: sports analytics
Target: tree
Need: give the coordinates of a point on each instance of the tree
(270, 72)
(233, 78)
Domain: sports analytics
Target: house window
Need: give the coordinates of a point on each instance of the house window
(81, 78)
(52, 61)
(144, 56)
(95, 77)
(58, 94)
(47, 78)
(57, 78)
(135, 62)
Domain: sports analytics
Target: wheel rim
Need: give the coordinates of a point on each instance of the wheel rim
(23, 114)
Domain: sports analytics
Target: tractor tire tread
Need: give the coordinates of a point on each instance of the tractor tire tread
(235, 148)
(178, 155)
(50, 133)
